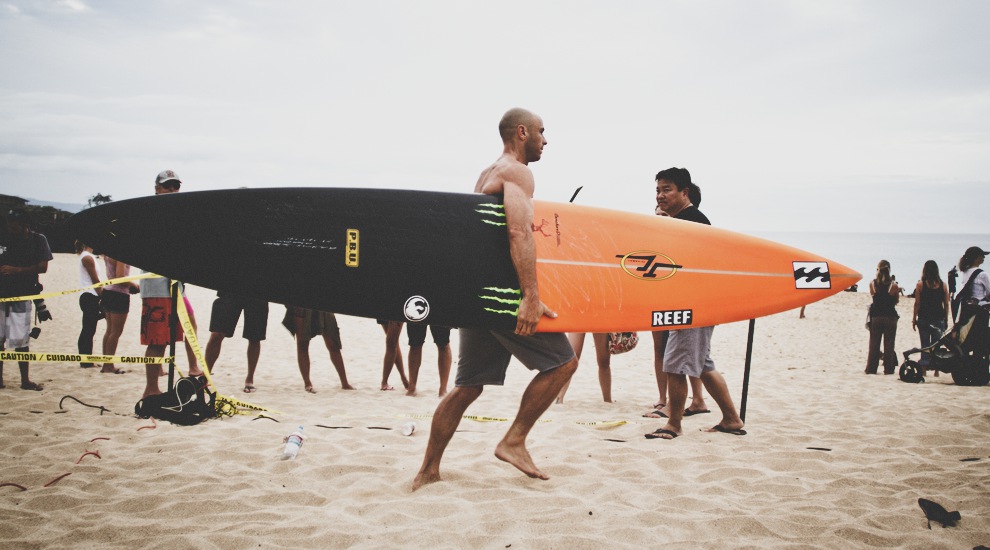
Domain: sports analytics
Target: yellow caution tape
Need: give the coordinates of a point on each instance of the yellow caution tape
(225, 405)
(485, 419)
(116, 281)
(78, 358)
(605, 424)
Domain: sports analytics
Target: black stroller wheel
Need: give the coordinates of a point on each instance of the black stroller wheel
(974, 371)
(911, 372)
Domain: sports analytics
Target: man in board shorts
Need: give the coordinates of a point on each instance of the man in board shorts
(223, 320)
(485, 354)
(156, 309)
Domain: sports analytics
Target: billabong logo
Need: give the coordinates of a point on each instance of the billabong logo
(673, 318)
(416, 308)
(352, 249)
(811, 275)
(648, 265)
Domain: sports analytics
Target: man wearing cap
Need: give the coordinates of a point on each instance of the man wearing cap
(24, 255)
(156, 308)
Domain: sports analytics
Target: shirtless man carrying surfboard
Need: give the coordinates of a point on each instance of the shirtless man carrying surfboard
(484, 354)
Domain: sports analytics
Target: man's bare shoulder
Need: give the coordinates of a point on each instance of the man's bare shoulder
(504, 170)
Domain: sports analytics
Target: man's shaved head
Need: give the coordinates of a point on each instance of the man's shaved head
(512, 119)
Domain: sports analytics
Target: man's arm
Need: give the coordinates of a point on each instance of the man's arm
(39, 268)
(519, 220)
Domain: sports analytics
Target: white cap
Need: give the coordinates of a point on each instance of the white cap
(166, 175)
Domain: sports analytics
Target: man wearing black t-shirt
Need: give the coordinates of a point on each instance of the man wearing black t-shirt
(23, 255)
(688, 352)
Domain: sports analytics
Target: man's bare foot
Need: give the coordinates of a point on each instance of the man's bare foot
(386, 387)
(112, 370)
(310, 389)
(442, 393)
(411, 392)
(347, 387)
(425, 479)
(29, 385)
(519, 457)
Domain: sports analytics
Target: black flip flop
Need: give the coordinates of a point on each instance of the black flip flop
(722, 429)
(658, 434)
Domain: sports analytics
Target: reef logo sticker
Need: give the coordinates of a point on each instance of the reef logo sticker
(416, 309)
(648, 265)
(811, 275)
(673, 318)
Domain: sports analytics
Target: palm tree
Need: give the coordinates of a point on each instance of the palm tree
(98, 199)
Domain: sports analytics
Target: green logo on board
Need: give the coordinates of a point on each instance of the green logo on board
(502, 297)
(493, 210)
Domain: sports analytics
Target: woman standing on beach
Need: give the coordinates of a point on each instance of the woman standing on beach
(116, 304)
(89, 300)
(931, 309)
(883, 320)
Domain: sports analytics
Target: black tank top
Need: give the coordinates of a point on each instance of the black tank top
(932, 303)
(883, 302)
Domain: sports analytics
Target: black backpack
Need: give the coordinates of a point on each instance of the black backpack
(189, 402)
(964, 294)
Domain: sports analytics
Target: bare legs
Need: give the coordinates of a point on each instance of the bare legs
(393, 356)
(152, 371)
(512, 448)
(444, 360)
(662, 405)
(115, 327)
(717, 388)
(604, 363)
(338, 361)
(212, 353)
(302, 357)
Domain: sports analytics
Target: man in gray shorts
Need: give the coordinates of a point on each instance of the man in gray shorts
(485, 354)
(688, 352)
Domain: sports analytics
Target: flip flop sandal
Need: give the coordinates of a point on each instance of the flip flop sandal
(659, 434)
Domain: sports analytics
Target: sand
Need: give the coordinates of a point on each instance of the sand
(833, 458)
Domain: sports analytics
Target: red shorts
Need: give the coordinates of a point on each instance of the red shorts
(154, 322)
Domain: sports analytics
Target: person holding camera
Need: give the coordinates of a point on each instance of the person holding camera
(24, 254)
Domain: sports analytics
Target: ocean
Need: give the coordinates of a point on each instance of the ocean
(906, 252)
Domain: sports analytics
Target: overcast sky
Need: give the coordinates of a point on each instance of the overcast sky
(820, 116)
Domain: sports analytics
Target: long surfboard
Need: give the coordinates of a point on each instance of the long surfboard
(443, 258)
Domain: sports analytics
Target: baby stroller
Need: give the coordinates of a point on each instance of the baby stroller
(962, 351)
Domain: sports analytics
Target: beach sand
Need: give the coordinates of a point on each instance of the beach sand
(833, 458)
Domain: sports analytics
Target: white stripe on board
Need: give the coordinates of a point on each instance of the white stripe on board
(684, 269)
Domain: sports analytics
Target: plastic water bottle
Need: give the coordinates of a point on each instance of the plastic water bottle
(292, 443)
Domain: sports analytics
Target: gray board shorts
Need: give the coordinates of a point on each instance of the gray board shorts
(484, 355)
(689, 352)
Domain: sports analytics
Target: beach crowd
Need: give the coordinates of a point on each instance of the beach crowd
(683, 366)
